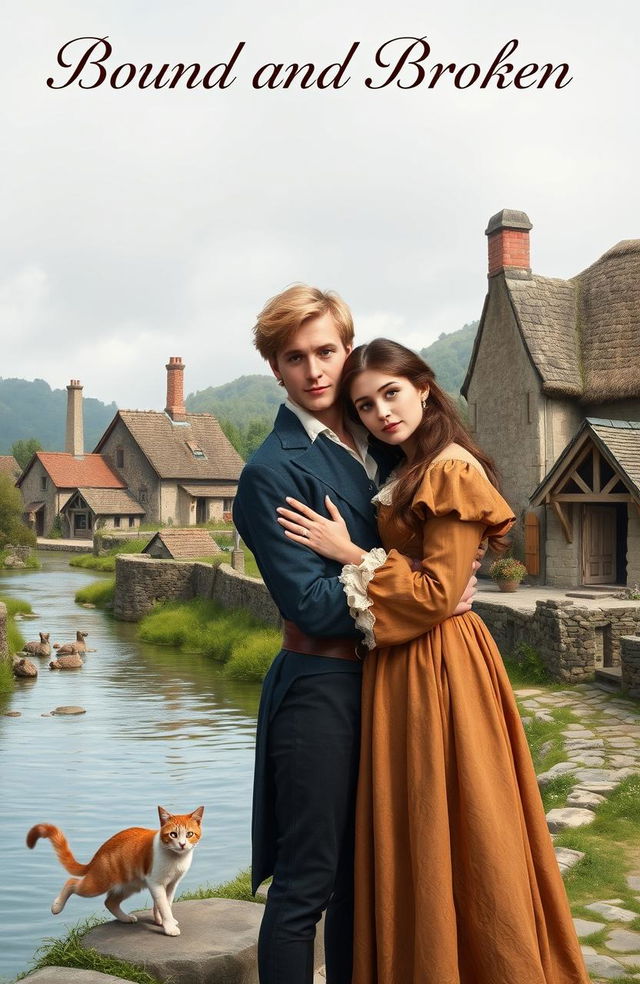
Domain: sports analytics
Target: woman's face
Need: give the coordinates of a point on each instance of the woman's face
(389, 406)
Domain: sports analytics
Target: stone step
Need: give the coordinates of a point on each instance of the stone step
(217, 942)
(609, 678)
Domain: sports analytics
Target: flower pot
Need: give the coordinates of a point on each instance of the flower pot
(508, 585)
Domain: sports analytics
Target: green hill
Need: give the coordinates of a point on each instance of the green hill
(449, 357)
(245, 398)
(30, 408)
(245, 407)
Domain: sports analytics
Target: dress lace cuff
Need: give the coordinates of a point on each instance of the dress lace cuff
(354, 579)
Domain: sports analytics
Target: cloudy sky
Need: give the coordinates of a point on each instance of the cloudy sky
(141, 223)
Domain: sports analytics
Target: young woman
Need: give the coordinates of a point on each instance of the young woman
(456, 877)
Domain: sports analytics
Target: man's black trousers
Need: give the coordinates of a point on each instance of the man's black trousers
(313, 750)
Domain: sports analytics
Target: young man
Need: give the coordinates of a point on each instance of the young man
(307, 745)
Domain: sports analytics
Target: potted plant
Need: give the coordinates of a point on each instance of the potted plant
(507, 572)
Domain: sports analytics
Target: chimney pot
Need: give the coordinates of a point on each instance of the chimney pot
(175, 407)
(508, 235)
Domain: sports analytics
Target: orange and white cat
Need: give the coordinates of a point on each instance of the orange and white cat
(128, 862)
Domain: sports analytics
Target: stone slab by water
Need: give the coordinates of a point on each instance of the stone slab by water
(217, 944)
(70, 975)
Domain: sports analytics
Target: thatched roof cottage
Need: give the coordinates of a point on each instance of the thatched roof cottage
(554, 395)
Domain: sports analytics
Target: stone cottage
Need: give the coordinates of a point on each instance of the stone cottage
(172, 467)
(179, 466)
(52, 480)
(553, 391)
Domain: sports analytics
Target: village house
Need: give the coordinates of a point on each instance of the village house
(56, 485)
(178, 465)
(553, 391)
(170, 467)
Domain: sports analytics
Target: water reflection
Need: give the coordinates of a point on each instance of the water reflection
(161, 727)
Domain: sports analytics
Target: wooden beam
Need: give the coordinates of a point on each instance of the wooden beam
(563, 519)
(596, 469)
(579, 482)
(611, 483)
(592, 497)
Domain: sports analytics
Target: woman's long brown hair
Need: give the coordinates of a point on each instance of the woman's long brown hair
(440, 426)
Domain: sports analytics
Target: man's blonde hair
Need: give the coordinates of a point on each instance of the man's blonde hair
(283, 314)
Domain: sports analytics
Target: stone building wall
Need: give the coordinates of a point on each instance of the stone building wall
(570, 640)
(142, 581)
(630, 653)
(53, 499)
(135, 471)
(3, 630)
(505, 403)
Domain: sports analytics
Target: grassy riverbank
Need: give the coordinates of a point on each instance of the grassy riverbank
(15, 640)
(98, 593)
(30, 560)
(244, 645)
(107, 562)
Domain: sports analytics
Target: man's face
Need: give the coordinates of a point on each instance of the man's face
(310, 364)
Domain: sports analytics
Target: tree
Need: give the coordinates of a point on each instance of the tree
(23, 450)
(12, 529)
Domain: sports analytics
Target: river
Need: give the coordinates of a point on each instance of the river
(161, 727)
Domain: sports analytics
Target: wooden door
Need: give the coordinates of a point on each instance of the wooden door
(599, 545)
(201, 510)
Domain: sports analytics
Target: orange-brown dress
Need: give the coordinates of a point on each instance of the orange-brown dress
(456, 878)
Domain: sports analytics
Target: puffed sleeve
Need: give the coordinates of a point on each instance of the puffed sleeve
(391, 602)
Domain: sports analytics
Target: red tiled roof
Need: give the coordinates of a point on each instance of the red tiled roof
(92, 471)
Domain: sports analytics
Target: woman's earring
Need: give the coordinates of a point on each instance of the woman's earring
(424, 404)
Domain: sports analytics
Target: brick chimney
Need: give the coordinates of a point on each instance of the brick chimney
(74, 436)
(175, 389)
(508, 233)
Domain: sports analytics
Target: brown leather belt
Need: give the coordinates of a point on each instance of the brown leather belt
(336, 647)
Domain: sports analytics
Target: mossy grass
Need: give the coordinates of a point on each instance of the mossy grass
(252, 657)
(250, 566)
(238, 888)
(556, 791)
(107, 562)
(16, 606)
(15, 638)
(99, 593)
(70, 952)
(7, 681)
(545, 738)
(525, 668)
(602, 873)
(31, 561)
(246, 646)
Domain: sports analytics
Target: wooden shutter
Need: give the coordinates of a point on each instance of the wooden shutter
(532, 543)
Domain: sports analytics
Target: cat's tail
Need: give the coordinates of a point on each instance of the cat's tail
(60, 846)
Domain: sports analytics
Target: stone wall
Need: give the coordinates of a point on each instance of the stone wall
(562, 562)
(3, 630)
(106, 540)
(630, 653)
(571, 641)
(142, 581)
